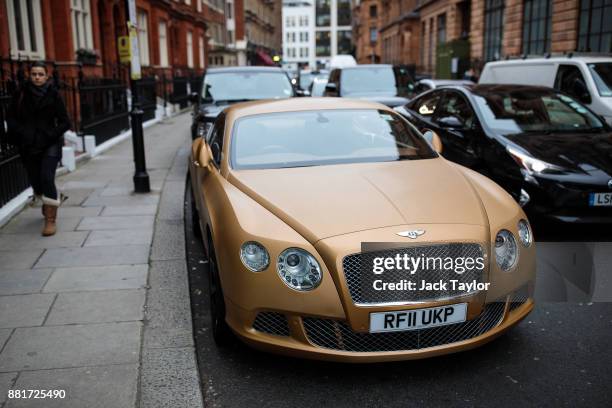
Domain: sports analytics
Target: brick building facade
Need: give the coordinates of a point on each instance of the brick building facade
(366, 26)
(476, 31)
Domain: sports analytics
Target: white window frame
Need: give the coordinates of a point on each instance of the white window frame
(38, 32)
(163, 43)
(142, 20)
(80, 17)
(190, 49)
(201, 50)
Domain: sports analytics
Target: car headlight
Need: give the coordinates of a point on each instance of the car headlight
(299, 269)
(533, 165)
(506, 251)
(525, 233)
(254, 256)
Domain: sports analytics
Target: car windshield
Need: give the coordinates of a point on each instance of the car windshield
(368, 80)
(306, 79)
(313, 138)
(533, 110)
(235, 86)
(602, 75)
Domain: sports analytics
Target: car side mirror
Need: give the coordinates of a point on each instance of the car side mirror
(433, 139)
(204, 156)
(450, 122)
(193, 98)
(331, 87)
(301, 92)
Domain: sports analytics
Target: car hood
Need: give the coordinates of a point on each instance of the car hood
(324, 201)
(389, 100)
(581, 152)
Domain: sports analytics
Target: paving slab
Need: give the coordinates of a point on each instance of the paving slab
(21, 225)
(117, 191)
(97, 278)
(118, 222)
(87, 387)
(168, 240)
(70, 212)
(6, 383)
(24, 310)
(75, 196)
(97, 307)
(21, 281)
(96, 201)
(4, 335)
(19, 259)
(38, 348)
(95, 256)
(78, 184)
(120, 237)
(129, 210)
(170, 379)
(34, 240)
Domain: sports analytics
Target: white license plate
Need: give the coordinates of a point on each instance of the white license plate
(600, 199)
(418, 318)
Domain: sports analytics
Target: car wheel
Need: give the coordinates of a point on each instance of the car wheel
(195, 215)
(222, 334)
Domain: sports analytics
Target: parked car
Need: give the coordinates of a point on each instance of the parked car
(286, 192)
(317, 87)
(387, 84)
(545, 148)
(586, 79)
(226, 86)
(428, 84)
(307, 77)
(342, 61)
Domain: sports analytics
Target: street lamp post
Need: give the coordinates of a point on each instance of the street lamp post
(141, 177)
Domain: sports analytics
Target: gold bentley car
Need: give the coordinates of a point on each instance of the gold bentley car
(335, 230)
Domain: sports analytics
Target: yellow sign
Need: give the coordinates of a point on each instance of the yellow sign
(125, 54)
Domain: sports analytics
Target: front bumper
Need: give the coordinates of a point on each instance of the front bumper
(322, 338)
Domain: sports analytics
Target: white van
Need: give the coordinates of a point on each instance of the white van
(588, 79)
(342, 61)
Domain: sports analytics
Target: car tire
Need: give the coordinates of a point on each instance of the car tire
(195, 215)
(222, 334)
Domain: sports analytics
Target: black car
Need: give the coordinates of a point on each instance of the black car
(546, 149)
(225, 86)
(386, 84)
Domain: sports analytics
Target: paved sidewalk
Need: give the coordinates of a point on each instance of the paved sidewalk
(72, 306)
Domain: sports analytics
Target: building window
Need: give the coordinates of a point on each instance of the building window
(373, 34)
(494, 29)
(323, 42)
(323, 11)
(536, 26)
(201, 50)
(441, 28)
(344, 12)
(344, 42)
(595, 29)
(26, 36)
(290, 21)
(143, 37)
(230, 11)
(81, 24)
(230, 36)
(431, 44)
(163, 44)
(199, 5)
(373, 11)
(190, 49)
(422, 40)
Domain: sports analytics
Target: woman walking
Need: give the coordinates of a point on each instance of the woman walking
(37, 120)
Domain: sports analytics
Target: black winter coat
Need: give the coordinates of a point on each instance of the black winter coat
(37, 125)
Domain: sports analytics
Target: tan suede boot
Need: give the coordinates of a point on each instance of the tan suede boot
(50, 227)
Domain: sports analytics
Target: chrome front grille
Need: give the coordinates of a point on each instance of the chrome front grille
(337, 335)
(519, 297)
(359, 275)
(271, 323)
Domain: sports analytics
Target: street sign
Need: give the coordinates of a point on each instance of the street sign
(135, 52)
(123, 43)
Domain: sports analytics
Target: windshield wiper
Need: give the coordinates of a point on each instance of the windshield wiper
(228, 101)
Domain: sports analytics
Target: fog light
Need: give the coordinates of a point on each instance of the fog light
(254, 256)
(299, 269)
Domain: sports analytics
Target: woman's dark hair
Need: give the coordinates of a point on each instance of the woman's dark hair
(39, 64)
